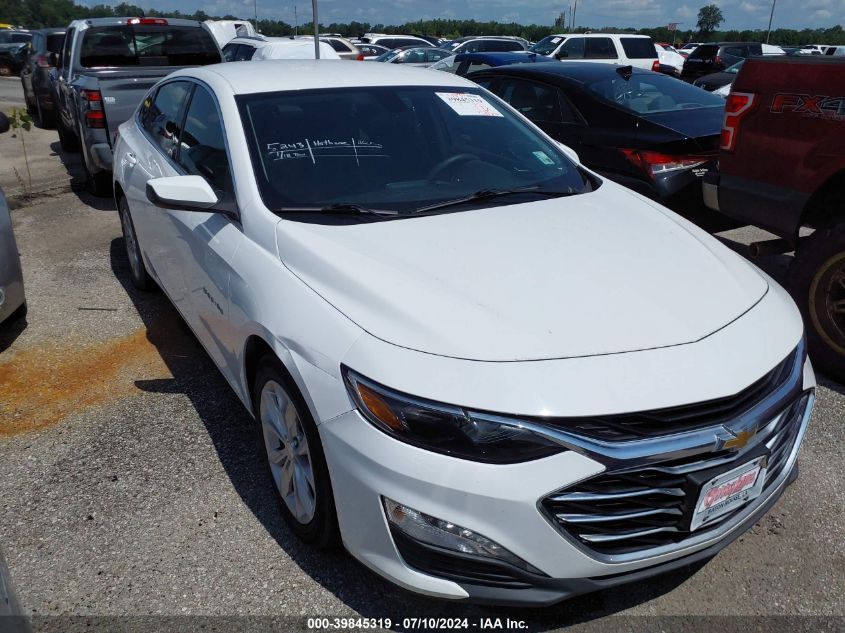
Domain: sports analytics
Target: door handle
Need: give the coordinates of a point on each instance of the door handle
(131, 159)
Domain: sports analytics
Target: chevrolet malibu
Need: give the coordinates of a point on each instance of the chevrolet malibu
(488, 372)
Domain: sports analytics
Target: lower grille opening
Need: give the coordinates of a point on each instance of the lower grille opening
(636, 510)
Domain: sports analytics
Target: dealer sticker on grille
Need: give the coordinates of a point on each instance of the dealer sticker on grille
(729, 491)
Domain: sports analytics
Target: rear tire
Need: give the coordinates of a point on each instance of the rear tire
(6, 70)
(45, 119)
(818, 284)
(67, 139)
(295, 456)
(99, 182)
(137, 270)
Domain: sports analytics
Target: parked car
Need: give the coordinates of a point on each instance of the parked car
(342, 46)
(373, 243)
(224, 31)
(714, 81)
(609, 48)
(393, 41)
(466, 63)
(645, 130)
(781, 168)
(242, 49)
(671, 62)
(371, 51)
(12, 296)
(414, 56)
(835, 51)
(14, 46)
(36, 75)
(714, 58)
(485, 45)
(106, 67)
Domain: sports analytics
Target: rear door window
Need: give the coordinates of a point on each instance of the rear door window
(602, 48)
(434, 55)
(244, 53)
(535, 101)
(55, 41)
(704, 52)
(229, 52)
(162, 120)
(638, 47)
(501, 46)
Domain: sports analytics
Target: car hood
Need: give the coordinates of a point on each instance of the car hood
(599, 273)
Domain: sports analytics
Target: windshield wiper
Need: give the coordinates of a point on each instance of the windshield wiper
(488, 194)
(340, 208)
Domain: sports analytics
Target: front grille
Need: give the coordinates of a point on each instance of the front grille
(649, 506)
(661, 422)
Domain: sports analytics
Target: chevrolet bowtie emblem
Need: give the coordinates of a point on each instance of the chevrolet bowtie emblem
(740, 440)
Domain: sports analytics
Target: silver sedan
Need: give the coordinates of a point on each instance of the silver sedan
(12, 298)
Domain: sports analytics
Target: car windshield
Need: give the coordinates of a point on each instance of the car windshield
(396, 149)
(649, 93)
(147, 45)
(735, 68)
(386, 57)
(546, 45)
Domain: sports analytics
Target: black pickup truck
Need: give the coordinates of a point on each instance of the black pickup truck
(782, 168)
(106, 67)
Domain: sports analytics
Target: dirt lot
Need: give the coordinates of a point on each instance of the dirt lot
(132, 481)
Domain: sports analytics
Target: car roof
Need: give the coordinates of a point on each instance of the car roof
(502, 58)
(599, 35)
(578, 72)
(310, 74)
(52, 31)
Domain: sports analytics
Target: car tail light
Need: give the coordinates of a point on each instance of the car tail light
(655, 65)
(737, 106)
(43, 61)
(159, 21)
(93, 97)
(360, 57)
(717, 60)
(95, 119)
(655, 163)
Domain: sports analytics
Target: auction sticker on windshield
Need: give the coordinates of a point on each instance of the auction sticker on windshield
(468, 104)
(728, 491)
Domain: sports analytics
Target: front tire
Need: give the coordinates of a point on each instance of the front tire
(45, 118)
(137, 270)
(818, 283)
(67, 139)
(295, 456)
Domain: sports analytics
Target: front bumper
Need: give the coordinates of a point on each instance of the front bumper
(501, 502)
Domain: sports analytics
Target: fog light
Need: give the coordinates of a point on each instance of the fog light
(433, 531)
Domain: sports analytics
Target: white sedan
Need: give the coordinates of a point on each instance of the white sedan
(489, 372)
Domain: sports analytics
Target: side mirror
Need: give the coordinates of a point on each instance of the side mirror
(570, 153)
(561, 54)
(4, 123)
(183, 193)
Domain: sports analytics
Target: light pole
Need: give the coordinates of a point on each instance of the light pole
(316, 30)
(771, 15)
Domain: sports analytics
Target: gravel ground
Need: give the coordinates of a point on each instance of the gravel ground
(132, 481)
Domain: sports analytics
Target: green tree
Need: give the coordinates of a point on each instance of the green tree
(709, 19)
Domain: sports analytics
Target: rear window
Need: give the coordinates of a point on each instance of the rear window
(652, 93)
(639, 48)
(55, 41)
(147, 45)
(337, 45)
(501, 46)
(703, 52)
(14, 38)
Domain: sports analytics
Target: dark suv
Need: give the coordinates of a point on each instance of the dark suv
(42, 57)
(714, 58)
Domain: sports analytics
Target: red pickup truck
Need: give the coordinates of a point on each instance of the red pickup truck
(782, 167)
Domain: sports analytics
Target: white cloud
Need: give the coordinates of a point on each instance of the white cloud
(750, 7)
(822, 14)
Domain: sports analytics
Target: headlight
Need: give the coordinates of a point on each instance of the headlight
(444, 428)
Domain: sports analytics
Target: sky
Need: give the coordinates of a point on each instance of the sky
(739, 14)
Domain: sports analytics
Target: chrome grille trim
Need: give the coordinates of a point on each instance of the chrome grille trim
(657, 502)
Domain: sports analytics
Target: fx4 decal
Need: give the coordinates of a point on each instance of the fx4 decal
(821, 106)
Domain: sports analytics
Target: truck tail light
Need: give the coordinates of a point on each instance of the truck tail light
(94, 115)
(656, 163)
(655, 65)
(95, 119)
(159, 21)
(737, 106)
